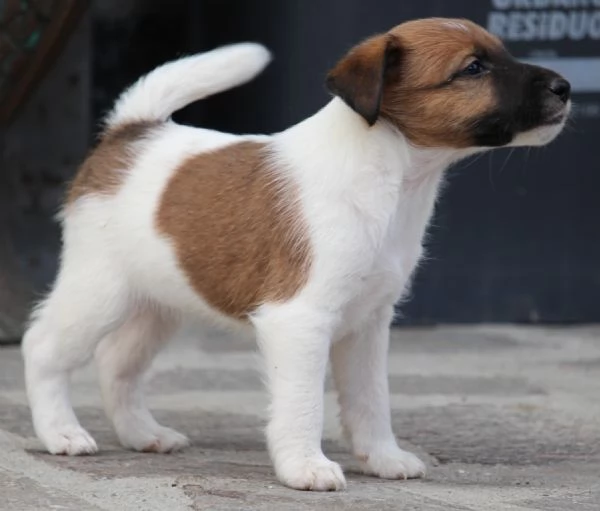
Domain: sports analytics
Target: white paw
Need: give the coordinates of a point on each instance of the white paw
(158, 439)
(392, 463)
(70, 440)
(317, 474)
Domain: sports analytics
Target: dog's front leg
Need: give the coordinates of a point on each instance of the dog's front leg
(359, 363)
(295, 345)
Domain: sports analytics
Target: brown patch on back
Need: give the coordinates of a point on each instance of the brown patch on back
(236, 228)
(104, 169)
(414, 62)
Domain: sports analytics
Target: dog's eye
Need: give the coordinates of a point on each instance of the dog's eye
(474, 68)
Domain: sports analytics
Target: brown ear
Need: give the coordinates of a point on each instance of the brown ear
(359, 77)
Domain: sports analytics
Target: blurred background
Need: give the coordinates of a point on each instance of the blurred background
(515, 237)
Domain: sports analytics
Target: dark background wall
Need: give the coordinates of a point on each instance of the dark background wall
(516, 234)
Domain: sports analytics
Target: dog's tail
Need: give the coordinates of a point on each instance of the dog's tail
(176, 84)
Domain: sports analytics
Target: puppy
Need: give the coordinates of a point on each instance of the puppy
(309, 236)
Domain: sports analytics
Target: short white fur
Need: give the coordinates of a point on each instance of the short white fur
(366, 195)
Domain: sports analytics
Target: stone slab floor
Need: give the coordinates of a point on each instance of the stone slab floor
(507, 419)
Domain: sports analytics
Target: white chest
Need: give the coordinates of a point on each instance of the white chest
(367, 196)
(384, 277)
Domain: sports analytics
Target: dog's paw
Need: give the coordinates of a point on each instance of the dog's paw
(70, 441)
(159, 440)
(317, 474)
(393, 463)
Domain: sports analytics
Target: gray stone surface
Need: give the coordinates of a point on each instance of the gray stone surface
(23, 494)
(507, 419)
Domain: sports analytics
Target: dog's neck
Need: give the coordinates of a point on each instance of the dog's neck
(338, 158)
(336, 136)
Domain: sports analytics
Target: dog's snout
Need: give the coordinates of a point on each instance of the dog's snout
(561, 88)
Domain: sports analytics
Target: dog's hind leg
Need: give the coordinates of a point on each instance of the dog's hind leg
(87, 302)
(123, 357)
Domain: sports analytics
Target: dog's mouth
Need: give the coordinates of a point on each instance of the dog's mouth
(559, 116)
(551, 126)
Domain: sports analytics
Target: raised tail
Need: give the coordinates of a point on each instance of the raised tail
(170, 87)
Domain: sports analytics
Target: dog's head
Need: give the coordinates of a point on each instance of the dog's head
(450, 83)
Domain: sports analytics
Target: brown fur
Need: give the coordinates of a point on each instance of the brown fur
(415, 62)
(104, 169)
(236, 229)
(359, 76)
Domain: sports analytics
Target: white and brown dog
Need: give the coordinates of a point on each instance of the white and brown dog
(309, 236)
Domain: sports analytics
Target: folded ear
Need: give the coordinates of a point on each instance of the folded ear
(359, 77)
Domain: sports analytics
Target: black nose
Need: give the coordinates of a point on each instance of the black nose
(561, 88)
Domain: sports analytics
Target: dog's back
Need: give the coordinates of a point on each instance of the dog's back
(117, 193)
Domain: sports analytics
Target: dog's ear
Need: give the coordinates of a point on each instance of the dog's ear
(360, 76)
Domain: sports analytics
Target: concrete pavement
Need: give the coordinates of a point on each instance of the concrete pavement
(507, 419)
